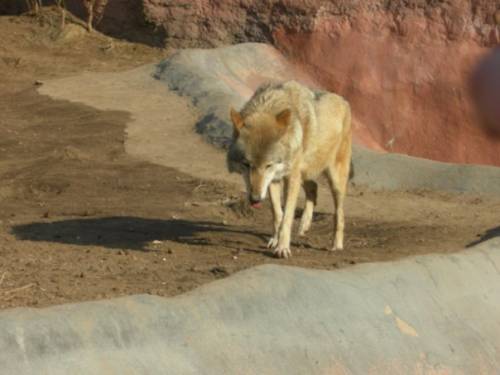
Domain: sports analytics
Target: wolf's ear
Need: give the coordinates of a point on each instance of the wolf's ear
(283, 118)
(237, 120)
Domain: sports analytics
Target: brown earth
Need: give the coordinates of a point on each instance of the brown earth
(81, 219)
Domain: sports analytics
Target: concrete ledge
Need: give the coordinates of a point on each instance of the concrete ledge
(424, 315)
(392, 172)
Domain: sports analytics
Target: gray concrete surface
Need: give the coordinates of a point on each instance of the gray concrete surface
(385, 171)
(436, 314)
(216, 79)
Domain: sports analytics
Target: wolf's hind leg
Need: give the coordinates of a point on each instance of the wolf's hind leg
(338, 176)
(275, 195)
(335, 184)
(311, 190)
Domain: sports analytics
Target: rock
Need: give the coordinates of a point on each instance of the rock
(208, 23)
(219, 271)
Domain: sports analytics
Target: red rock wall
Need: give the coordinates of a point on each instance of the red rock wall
(406, 75)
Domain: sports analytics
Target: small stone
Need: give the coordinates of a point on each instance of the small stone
(164, 259)
(219, 271)
(156, 242)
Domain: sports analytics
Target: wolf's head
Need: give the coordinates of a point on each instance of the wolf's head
(261, 150)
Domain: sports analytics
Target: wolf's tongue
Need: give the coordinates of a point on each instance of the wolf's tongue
(257, 205)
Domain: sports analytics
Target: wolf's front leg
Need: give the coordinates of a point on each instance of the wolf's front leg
(294, 183)
(275, 195)
(311, 190)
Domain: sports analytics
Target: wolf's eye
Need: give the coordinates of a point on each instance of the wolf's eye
(269, 165)
(245, 163)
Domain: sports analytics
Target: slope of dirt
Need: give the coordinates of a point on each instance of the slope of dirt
(82, 219)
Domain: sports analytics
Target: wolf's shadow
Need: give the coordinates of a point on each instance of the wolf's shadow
(125, 232)
(488, 235)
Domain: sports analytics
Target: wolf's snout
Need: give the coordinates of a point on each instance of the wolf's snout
(255, 202)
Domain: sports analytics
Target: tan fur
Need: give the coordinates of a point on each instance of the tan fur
(290, 134)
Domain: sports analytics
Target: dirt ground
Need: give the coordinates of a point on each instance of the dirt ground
(82, 220)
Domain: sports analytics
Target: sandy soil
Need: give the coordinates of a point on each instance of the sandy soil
(83, 219)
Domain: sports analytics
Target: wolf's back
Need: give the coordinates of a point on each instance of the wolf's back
(275, 97)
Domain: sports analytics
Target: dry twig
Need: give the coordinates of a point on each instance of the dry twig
(15, 290)
(95, 11)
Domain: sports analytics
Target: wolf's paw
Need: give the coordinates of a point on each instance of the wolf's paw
(282, 252)
(337, 248)
(273, 242)
(304, 226)
(303, 232)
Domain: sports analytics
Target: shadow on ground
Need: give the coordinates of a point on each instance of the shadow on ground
(123, 20)
(124, 232)
(488, 235)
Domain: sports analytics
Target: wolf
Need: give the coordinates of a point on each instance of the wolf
(288, 135)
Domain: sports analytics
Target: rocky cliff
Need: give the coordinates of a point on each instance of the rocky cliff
(214, 22)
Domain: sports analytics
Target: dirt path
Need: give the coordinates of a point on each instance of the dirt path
(160, 129)
(88, 212)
